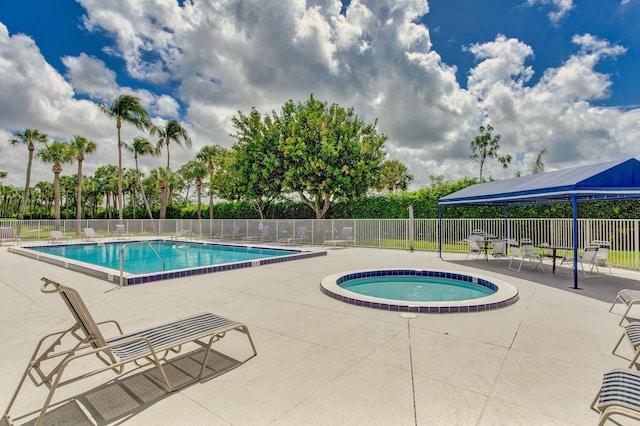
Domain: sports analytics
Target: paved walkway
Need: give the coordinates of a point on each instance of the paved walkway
(324, 362)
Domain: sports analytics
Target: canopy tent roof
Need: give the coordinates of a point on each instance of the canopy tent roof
(602, 181)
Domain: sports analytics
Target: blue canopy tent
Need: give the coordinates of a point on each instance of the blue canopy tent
(613, 180)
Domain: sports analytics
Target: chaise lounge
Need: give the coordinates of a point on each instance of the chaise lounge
(342, 241)
(8, 236)
(57, 237)
(299, 236)
(69, 348)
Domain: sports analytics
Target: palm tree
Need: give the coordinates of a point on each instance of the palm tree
(172, 131)
(127, 109)
(29, 137)
(211, 155)
(81, 146)
(142, 146)
(67, 187)
(195, 170)
(56, 153)
(165, 180)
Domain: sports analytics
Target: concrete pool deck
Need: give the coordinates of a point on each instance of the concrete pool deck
(324, 362)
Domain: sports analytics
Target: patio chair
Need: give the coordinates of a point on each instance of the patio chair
(260, 236)
(589, 258)
(57, 237)
(71, 347)
(298, 237)
(632, 332)
(629, 298)
(122, 234)
(531, 253)
(602, 258)
(619, 395)
(518, 254)
(474, 249)
(90, 235)
(499, 249)
(342, 241)
(8, 236)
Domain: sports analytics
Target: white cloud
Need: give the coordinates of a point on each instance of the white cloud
(562, 8)
(213, 58)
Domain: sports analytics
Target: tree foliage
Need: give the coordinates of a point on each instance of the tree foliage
(485, 146)
(125, 109)
(318, 151)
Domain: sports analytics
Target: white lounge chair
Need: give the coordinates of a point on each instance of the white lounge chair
(90, 235)
(260, 236)
(185, 233)
(299, 236)
(234, 235)
(475, 249)
(602, 258)
(8, 236)
(57, 237)
(342, 241)
(531, 253)
(629, 298)
(499, 250)
(122, 234)
(70, 348)
(520, 254)
(619, 395)
(632, 332)
(589, 258)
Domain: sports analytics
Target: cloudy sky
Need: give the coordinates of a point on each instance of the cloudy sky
(555, 74)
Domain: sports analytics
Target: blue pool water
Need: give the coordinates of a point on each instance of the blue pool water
(416, 288)
(142, 258)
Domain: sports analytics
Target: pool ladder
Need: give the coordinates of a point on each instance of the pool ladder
(133, 244)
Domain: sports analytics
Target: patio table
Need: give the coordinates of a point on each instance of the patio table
(554, 253)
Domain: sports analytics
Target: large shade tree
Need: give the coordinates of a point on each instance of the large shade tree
(328, 151)
(57, 153)
(125, 109)
(257, 163)
(28, 137)
(171, 132)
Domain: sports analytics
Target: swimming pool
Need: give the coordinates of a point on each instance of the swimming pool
(417, 290)
(153, 260)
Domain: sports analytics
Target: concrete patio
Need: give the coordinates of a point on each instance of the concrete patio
(324, 362)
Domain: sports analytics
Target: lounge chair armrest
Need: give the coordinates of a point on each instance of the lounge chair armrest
(114, 322)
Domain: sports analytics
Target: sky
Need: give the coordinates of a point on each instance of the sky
(560, 75)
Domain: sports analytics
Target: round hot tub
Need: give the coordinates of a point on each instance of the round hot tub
(419, 290)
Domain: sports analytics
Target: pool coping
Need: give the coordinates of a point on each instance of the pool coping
(113, 275)
(505, 295)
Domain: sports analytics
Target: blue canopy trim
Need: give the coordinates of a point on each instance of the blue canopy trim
(613, 180)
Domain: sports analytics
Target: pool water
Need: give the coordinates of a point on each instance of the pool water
(416, 288)
(140, 257)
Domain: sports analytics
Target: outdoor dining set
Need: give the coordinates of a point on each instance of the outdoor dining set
(486, 246)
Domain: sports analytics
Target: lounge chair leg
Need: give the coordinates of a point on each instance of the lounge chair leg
(625, 314)
(595, 400)
(618, 344)
(15, 394)
(614, 303)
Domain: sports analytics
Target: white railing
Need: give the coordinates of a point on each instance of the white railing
(375, 233)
